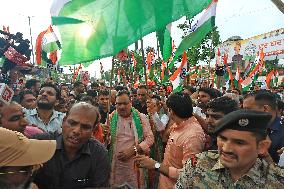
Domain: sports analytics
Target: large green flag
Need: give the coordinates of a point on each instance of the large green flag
(108, 26)
(165, 41)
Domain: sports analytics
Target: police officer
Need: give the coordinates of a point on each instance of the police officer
(241, 141)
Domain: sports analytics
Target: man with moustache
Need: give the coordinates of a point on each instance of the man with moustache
(241, 139)
(103, 101)
(266, 101)
(79, 161)
(78, 90)
(215, 111)
(141, 103)
(130, 134)
(27, 99)
(205, 94)
(33, 85)
(112, 97)
(44, 116)
(12, 117)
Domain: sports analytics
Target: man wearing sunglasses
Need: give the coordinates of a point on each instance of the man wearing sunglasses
(18, 157)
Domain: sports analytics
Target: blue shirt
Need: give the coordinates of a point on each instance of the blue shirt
(54, 124)
(276, 134)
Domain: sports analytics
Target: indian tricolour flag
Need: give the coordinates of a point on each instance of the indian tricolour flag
(48, 42)
(192, 71)
(238, 80)
(199, 30)
(249, 82)
(254, 71)
(179, 74)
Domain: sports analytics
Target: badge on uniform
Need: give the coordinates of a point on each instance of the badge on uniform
(243, 122)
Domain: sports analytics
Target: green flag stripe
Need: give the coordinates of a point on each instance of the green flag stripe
(61, 20)
(50, 47)
(116, 24)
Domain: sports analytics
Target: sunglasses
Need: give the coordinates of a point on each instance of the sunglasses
(25, 170)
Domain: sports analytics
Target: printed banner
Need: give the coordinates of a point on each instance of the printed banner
(6, 93)
(85, 77)
(242, 52)
(12, 55)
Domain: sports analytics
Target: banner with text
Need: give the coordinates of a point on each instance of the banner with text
(242, 52)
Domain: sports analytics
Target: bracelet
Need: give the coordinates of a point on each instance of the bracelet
(135, 150)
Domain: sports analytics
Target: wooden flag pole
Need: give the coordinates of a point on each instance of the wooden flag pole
(144, 65)
(106, 129)
(211, 48)
(110, 85)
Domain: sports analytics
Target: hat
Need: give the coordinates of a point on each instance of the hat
(244, 120)
(18, 150)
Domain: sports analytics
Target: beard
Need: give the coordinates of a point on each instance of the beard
(202, 105)
(45, 106)
(211, 130)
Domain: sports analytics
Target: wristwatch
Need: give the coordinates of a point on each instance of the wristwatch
(157, 166)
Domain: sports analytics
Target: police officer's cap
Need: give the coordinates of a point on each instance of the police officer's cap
(245, 120)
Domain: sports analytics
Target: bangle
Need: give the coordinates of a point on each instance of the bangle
(135, 150)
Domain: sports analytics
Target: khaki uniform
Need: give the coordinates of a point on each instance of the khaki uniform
(210, 173)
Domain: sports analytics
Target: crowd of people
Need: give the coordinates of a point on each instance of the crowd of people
(72, 136)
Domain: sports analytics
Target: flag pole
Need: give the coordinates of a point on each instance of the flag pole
(209, 63)
(133, 73)
(31, 40)
(158, 48)
(144, 65)
(111, 75)
(188, 71)
(106, 131)
(134, 67)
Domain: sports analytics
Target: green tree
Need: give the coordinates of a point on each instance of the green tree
(271, 64)
(203, 51)
(106, 75)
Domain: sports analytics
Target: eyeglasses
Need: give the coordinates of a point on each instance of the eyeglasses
(26, 171)
(15, 172)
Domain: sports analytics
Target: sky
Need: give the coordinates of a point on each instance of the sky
(244, 18)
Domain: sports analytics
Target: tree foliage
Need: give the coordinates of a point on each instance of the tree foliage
(203, 51)
(271, 64)
(106, 75)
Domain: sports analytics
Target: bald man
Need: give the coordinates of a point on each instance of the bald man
(79, 161)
